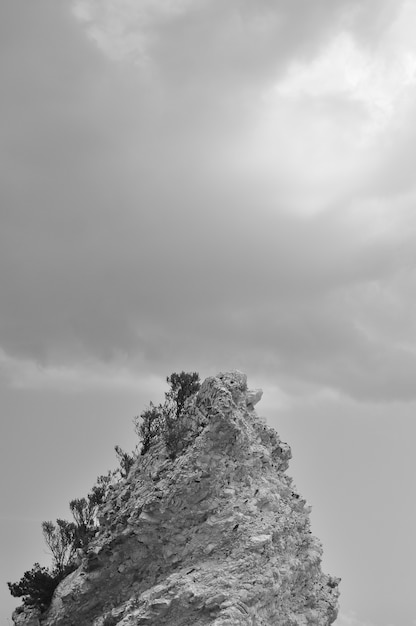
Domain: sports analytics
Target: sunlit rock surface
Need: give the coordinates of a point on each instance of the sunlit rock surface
(217, 537)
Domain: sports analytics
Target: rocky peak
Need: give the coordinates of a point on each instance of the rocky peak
(218, 536)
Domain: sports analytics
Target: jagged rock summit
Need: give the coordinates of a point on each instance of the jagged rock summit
(217, 536)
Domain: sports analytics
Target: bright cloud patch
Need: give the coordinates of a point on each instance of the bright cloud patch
(286, 97)
(379, 77)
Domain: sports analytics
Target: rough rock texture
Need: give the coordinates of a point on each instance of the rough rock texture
(216, 537)
(26, 617)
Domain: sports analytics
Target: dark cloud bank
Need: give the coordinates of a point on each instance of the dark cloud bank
(126, 232)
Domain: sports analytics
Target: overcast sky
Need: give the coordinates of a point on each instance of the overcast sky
(206, 185)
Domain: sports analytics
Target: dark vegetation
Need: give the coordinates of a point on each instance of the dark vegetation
(63, 539)
(36, 586)
(169, 423)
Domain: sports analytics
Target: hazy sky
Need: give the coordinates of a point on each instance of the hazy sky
(206, 185)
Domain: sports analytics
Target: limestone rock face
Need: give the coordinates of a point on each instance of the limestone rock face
(217, 536)
(26, 617)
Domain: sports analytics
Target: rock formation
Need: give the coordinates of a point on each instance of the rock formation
(217, 536)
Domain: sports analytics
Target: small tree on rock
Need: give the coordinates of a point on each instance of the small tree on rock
(36, 587)
(169, 421)
(149, 426)
(178, 427)
(182, 387)
(84, 511)
(84, 514)
(61, 539)
(126, 461)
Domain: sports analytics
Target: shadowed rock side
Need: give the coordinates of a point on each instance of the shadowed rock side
(216, 537)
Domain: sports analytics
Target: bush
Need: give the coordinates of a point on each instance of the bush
(84, 515)
(36, 587)
(169, 421)
(149, 426)
(126, 461)
(62, 541)
(84, 511)
(182, 386)
(100, 489)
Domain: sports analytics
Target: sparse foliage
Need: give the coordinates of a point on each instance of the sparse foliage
(168, 421)
(182, 387)
(126, 460)
(100, 489)
(84, 511)
(149, 426)
(84, 515)
(61, 539)
(178, 432)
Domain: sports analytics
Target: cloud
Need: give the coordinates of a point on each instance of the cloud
(238, 38)
(26, 374)
(345, 69)
(190, 198)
